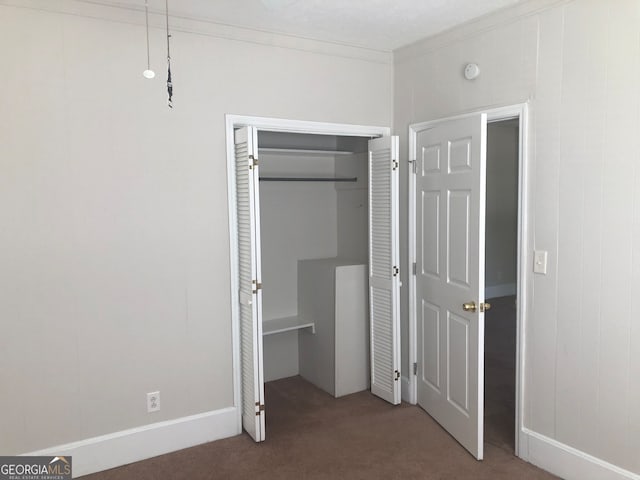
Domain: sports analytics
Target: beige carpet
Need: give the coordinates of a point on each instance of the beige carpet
(500, 373)
(311, 435)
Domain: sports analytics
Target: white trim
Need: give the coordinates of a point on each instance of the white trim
(519, 111)
(127, 446)
(274, 125)
(501, 290)
(494, 114)
(233, 271)
(134, 15)
(304, 126)
(412, 394)
(568, 462)
(524, 240)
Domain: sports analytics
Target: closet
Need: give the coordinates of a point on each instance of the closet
(318, 265)
(313, 205)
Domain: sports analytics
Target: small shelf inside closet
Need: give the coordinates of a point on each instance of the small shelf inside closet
(308, 159)
(303, 151)
(286, 324)
(308, 179)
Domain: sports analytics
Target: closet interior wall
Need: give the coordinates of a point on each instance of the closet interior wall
(501, 209)
(303, 220)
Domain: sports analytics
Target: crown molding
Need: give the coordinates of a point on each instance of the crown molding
(119, 13)
(474, 27)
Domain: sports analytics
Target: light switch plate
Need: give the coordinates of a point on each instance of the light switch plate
(540, 262)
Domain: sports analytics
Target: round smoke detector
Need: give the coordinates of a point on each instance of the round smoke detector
(471, 71)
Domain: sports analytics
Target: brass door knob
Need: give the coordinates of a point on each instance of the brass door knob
(469, 306)
(472, 307)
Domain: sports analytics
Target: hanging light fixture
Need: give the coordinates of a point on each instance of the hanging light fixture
(169, 82)
(148, 73)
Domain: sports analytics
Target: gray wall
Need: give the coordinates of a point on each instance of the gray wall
(501, 209)
(305, 220)
(298, 221)
(115, 267)
(576, 63)
(352, 200)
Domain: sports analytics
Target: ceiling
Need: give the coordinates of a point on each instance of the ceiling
(376, 24)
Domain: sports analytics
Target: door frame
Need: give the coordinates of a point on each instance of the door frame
(271, 124)
(519, 111)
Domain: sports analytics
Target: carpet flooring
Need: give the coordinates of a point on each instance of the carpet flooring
(500, 373)
(311, 435)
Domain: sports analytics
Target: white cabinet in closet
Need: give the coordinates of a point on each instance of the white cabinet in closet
(332, 293)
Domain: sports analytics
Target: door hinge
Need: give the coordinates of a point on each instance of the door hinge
(413, 166)
(415, 268)
(415, 368)
(397, 372)
(253, 162)
(256, 286)
(396, 271)
(259, 409)
(395, 164)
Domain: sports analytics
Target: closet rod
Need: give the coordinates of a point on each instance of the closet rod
(308, 179)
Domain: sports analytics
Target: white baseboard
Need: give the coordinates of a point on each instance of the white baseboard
(568, 462)
(502, 290)
(128, 446)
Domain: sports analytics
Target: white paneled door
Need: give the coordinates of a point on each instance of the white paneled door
(450, 219)
(384, 275)
(249, 275)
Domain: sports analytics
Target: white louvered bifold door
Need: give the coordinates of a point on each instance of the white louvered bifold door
(250, 293)
(384, 275)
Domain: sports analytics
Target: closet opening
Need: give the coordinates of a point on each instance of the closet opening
(501, 278)
(313, 224)
(313, 211)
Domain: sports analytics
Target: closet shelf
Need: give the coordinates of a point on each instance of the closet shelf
(279, 325)
(308, 179)
(299, 151)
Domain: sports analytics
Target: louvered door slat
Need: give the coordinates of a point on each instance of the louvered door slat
(384, 285)
(248, 223)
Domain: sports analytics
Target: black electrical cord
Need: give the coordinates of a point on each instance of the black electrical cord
(169, 82)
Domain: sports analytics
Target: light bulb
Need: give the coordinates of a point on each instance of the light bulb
(149, 74)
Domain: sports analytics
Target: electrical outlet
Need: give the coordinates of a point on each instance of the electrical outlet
(153, 402)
